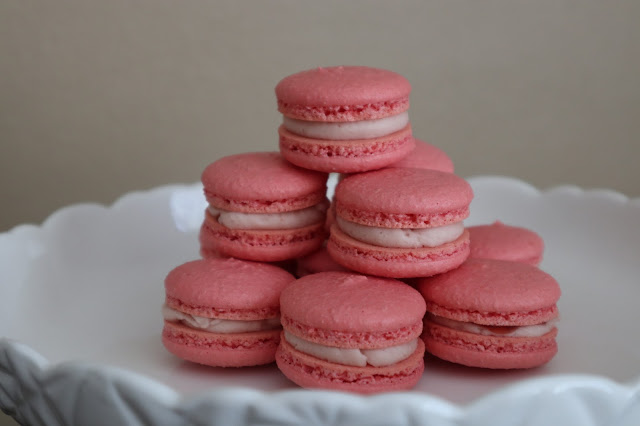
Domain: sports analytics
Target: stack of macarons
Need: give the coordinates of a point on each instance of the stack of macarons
(348, 322)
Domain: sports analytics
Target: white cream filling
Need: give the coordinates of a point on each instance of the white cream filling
(216, 325)
(285, 220)
(403, 238)
(364, 129)
(355, 357)
(535, 330)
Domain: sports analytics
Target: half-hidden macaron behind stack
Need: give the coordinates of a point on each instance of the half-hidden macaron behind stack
(262, 208)
(350, 332)
(401, 223)
(505, 242)
(318, 261)
(491, 314)
(223, 312)
(344, 119)
(426, 156)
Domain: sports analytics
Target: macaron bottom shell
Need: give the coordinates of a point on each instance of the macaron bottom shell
(221, 350)
(260, 245)
(493, 352)
(310, 372)
(396, 262)
(349, 156)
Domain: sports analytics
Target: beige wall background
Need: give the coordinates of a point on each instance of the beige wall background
(98, 98)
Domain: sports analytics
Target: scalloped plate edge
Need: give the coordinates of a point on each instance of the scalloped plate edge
(31, 392)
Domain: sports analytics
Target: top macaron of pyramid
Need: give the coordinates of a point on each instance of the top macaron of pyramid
(344, 93)
(346, 119)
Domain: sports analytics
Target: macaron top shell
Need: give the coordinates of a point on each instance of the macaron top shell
(426, 156)
(261, 182)
(360, 93)
(226, 288)
(492, 292)
(500, 241)
(349, 302)
(403, 198)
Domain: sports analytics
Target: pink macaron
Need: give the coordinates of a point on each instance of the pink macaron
(318, 261)
(224, 312)
(426, 156)
(289, 265)
(401, 223)
(491, 314)
(344, 119)
(504, 242)
(262, 208)
(350, 332)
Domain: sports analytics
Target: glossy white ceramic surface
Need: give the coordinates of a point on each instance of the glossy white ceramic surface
(80, 322)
